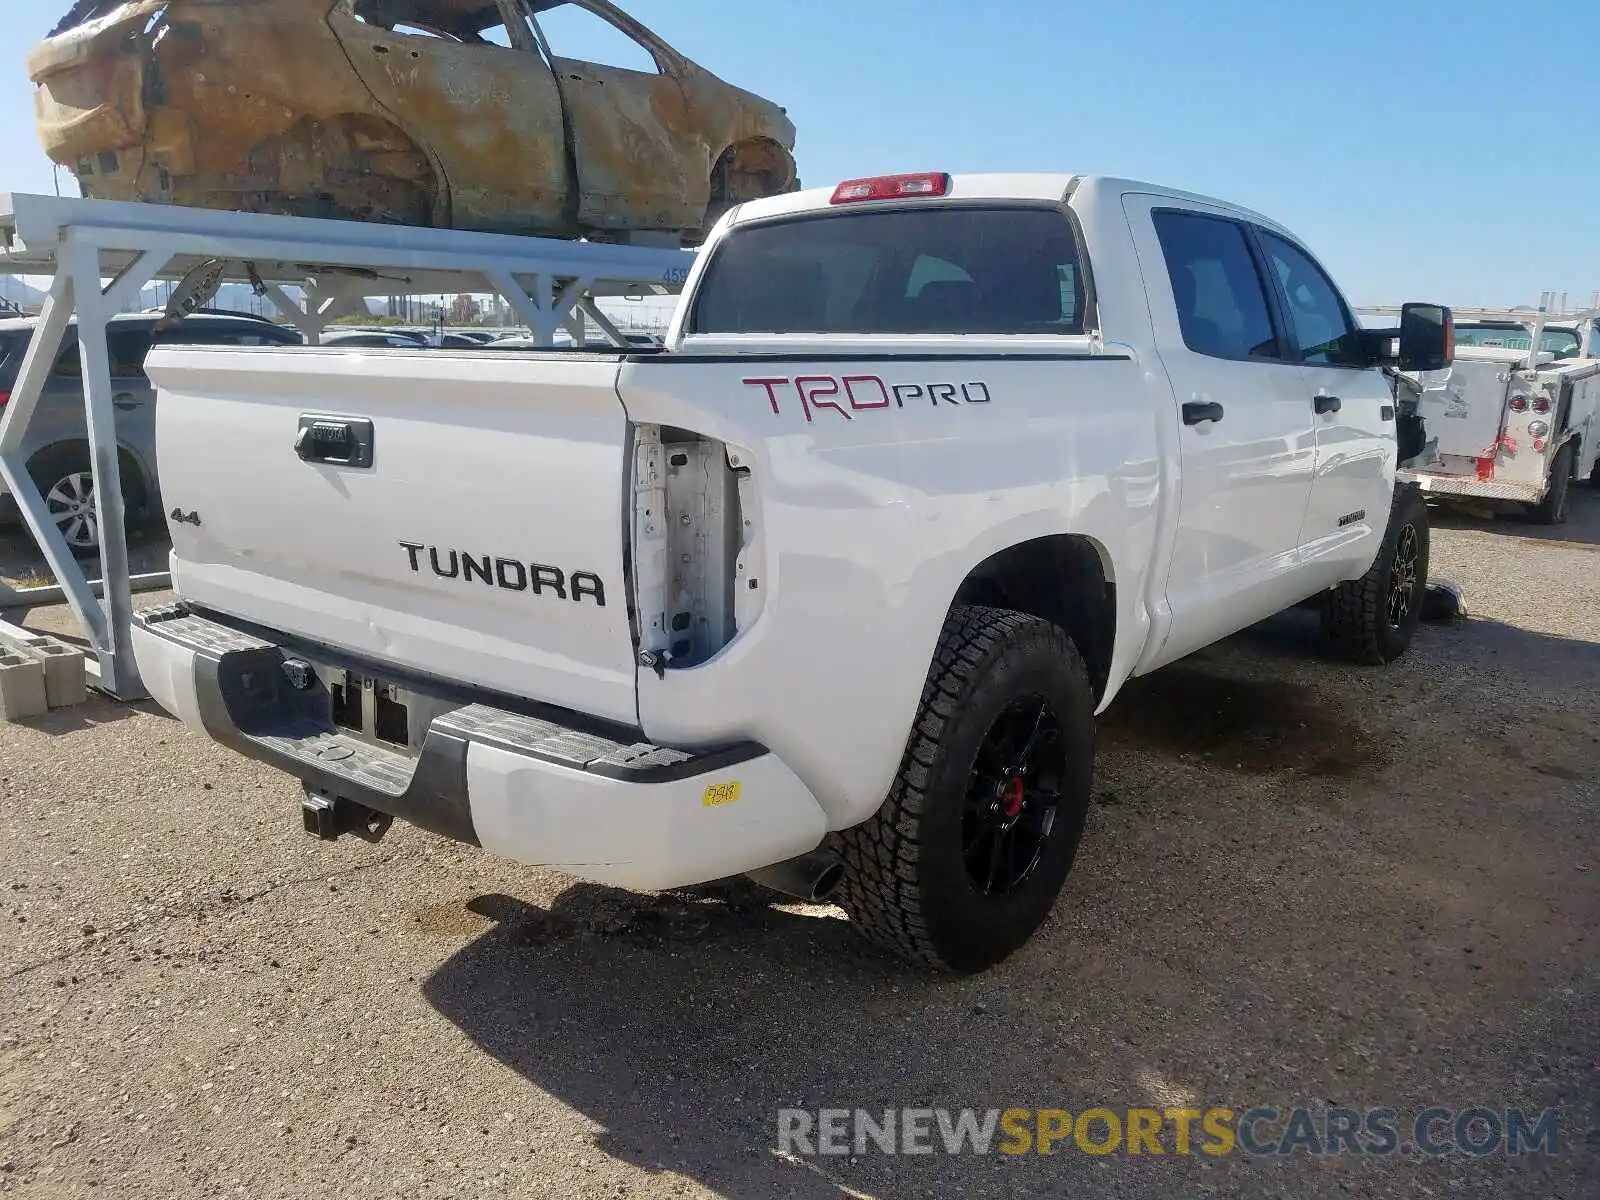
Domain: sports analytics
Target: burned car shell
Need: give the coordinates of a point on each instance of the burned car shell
(322, 108)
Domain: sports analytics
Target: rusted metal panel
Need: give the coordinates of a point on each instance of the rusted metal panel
(493, 123)
(317, 107)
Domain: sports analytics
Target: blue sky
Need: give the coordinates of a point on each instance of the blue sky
(1416, 147)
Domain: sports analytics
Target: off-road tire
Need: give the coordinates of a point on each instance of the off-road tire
(907, 884)
(1552, 510)
(1358, 615)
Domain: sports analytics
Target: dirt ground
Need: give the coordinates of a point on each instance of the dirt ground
(1303, 884)
(23, 566)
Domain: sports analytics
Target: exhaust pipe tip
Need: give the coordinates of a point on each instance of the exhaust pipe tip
(810, 877)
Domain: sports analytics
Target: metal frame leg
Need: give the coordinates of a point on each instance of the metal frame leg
(43, 348)
(544, 312)
(77, 285)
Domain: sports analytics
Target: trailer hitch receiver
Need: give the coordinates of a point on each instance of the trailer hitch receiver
(330, 817)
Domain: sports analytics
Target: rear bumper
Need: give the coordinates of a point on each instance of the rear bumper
(1469, 486)
(560, 793)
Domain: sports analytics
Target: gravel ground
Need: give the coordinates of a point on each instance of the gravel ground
(21, 564)
(1302, 884)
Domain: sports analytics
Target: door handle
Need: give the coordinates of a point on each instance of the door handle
(1327, 404)
(1198, 412)
(125, 401)
(338, 441)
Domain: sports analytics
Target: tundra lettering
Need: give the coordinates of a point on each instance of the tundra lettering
(508, 573)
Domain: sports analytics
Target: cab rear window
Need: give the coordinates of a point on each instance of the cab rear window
(952, 269)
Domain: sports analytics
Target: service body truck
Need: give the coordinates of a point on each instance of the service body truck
(1511, 427)
(829, 589)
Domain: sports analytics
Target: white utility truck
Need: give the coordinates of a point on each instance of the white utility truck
(1511, 427)
(829, 589)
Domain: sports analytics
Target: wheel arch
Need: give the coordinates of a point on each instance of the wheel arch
(759, 157)
(1067, 579)
(134, 469)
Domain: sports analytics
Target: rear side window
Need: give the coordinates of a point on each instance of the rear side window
(1221, 297)
(934, 270)
(129, 347)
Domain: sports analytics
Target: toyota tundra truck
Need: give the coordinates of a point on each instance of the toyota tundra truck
(828, 590)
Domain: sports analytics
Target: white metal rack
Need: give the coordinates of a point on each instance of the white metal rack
(82, 243)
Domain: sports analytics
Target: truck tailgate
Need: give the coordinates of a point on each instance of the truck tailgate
(482, 545)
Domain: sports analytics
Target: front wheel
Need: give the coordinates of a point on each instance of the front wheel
(967, 855)
(1372, 620)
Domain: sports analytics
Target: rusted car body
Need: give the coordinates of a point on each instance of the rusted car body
(452, 113)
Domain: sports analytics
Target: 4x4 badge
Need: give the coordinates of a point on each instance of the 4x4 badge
(184, 518)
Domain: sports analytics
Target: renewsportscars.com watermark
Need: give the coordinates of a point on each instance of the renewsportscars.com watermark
(1477, 1132)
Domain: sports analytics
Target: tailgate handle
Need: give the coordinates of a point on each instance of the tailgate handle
(337, 441)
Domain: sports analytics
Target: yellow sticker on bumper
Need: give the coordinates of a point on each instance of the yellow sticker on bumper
(719, 794)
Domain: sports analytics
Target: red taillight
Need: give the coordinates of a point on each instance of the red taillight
(1519, 404)
(892, 187)
(5, 397)
(1541, 404)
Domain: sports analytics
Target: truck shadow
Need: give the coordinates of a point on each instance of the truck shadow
(682, 1026)
(1582, 530)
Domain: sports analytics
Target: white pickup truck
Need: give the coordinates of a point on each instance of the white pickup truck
(828, 590)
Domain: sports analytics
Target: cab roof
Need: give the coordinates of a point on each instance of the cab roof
(1048, 187)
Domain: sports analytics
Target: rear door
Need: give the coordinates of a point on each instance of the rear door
(641, 161)
(1246, 471)
(1352, 409)
(489, 112)
(482, 544)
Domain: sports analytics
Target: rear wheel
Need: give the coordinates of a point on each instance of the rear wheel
(967, 855)
(1373, 619)
(1552, 510)
(66, 481)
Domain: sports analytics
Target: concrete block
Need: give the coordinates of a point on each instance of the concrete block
(65, 679)
(22, 691)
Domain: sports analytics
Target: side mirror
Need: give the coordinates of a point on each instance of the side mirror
(1427, 337)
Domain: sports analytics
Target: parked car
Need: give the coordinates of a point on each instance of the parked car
(831, 589)
(455, 113)
(373, 339)
(56, 443)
